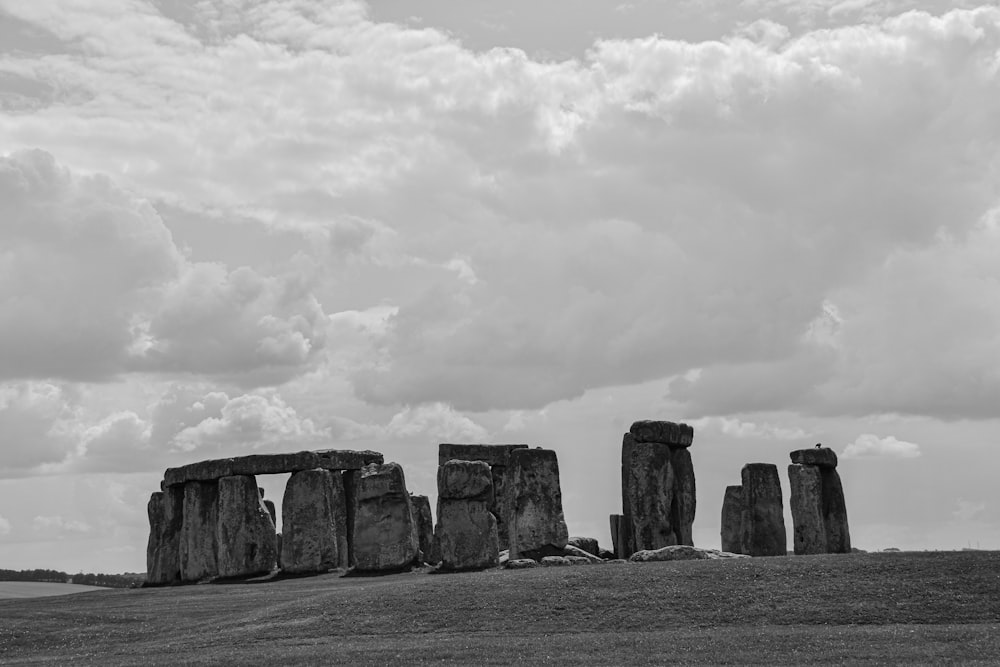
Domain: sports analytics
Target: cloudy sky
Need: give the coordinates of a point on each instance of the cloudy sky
(235, 226)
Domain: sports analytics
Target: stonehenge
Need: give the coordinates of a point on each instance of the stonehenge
(819, 512)
(658, 488)
(314, 520)
(166, 512)
(537, 526)
(732, 509)
(466, 531)
(246, 539)
(753, 521)
(385, 532)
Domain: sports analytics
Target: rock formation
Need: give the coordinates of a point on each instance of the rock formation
(425, 528)
(819, 512)
(498, 458)
(658, 488)
(313, 522)
(270, 464)
(588, 544)
(732, 511)
(198, 531)
(246, 538)
(466, 531)
(762, 519)
(385, 532)
(536, 523)
(166, 513)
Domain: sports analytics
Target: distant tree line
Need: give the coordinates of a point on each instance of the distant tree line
(127, 580)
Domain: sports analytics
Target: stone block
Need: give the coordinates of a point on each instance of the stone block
(762, 521)
(246, 538)
(815, 456)
(494, 455)
(269, 464)
(732, 512)
(198, 558)
(588, 544)
(425, 528)
(385, 531)
(838, 536)
(537, 525)
(465, 480)
(467, 535)
(663, 432)
(684, 502)
(649, 494)
(806, 499)
(166, 517)
(311, 537)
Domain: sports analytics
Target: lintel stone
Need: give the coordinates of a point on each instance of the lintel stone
(270, 464)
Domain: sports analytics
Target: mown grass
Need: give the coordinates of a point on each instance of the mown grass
(36, 589)
(904, 608)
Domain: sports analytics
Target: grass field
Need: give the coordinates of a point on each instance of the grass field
(39, 589)
(900, 608)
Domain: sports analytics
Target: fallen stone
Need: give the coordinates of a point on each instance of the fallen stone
(554, 561)
(503, 557)
(465, 480)
(537, 525)
(806, 499)
(676, 552)
(838, 536)
(198, 559)
(522, 564)
(577, 552)
(684, 502)
(815, 456)
(649, 491)
(581, 560)
(606, 555)
(425, 527)
(762, 521)
(588, 544)
(309, 522)
(385, 532)
(247, 542)
(166, 514)
(268, 464)
(732, 514)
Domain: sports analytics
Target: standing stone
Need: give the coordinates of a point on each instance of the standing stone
(466, 530)
(501, 504)
(682, 508)
(340, 509)
(385, 532)
(762, 522)
(198, 531)
(537, 526)
(808, 527)
(732, 511)
(269, 506)
(309, 539)
(166, 514)
(838, 537)
(619, 536)
(350, 479)
(247, 542)
(649, 494)
(425, 527)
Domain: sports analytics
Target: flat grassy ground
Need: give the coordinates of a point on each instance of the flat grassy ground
(38, 589)
(905, 608)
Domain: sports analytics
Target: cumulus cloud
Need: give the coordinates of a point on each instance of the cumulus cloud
(739, 428)
(38, 422)
(868, 445)
(57, 526)
(435, 420)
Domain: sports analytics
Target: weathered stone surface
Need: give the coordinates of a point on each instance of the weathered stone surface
(762, 521)
(815, 456)
(385, 532)
(681, 552)
(267, 464)
(467, 535)
(269, 506)
(503, 557)
(588, 544)
(425, 527)
(198, 537)
(683, 505)
(663, 432)
(537, 525)
(247, 542)
(555, 561)
(838, 536)
(620, 535)
(732, 515)
(350, 478)
(166, 513)
(649, 491)
(309, 520)
(501, 503)
(522, 564)
(495, 455)
(460, 480)
(808, 526)
(580, 560)
(577, 552)
(606, 554)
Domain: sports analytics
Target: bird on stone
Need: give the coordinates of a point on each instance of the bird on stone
(818, 445)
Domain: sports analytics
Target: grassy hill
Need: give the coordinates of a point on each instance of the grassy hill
(880, 608)
(38, 589)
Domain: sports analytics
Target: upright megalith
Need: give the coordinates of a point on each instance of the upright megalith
(198, 540)
(385, 532)
(166, 514)
(425, 527)
(246, 538)
(536, 522)
(819, 512)
(498, 458)
(658, 487)
(762, 522)
(313, 522)
(466, 531)
(732, 511)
